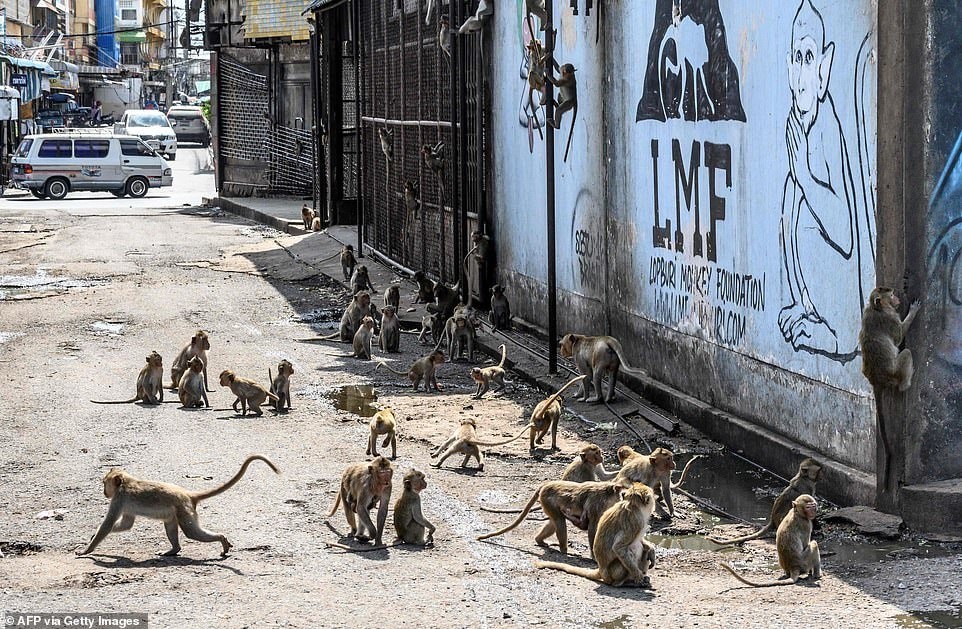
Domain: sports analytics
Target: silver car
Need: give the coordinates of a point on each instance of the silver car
(189, 123)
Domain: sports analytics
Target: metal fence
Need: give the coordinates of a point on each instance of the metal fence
(415, 91)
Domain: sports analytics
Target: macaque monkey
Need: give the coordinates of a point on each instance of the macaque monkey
(307, 216)
(191, 389)
(475, 22)
(882, 333)
(582, 504)
(423, 368)
(479, 251)
(797, 554)
(362, 339)
(567, 99)
(536, 8)
(389, 338)
(150, 383)
(199, 346)
(500, 317)
(433, 157)
(410, 524)
(445, 300)
(281, 385)
(809, 471)
(249, 393)
(459, 332)
(445, 33)
(392, 296)
(358, 308)
(546, 415)
(348, 261)
(316, 224)
(484, 376)
(464, 441)
(427, 323)
(589, 465)
(383, 423)
(595, 356)
(425, 288)
(411, 201)
(387, 143)
(364, 486)
(653, 470)
(361, 280)
(131, 497)
(536, 74)
(620, 548)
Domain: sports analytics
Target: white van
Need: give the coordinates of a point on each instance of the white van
(50, 165)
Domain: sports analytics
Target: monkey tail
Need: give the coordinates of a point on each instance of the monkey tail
(329, 337)
(337, 502)
(130, 401)
(383, 363)
(488, 444)
(753, 584)
(504, 354)
(571, 130)
(204, 495)
(625, 365)
(363, 549)
(270, 378)
(569, 384)
(519, 520)
(274, 398)
(512, 511)
(684, 472)
(738, 540)
(589, 573)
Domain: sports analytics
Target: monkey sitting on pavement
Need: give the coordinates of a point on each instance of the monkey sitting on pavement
(199, 346)
(307, 217)
(361, 280)
(389, 338)
(797, 554)
(809, 471)
(131, 497)
(588, 466)
(191, 389)
(425, 288)
(484, 376)
(392, 296)
(249, 393)
(150, 383)
(423, 368)
(281, 385)
(410, 524)
(363, 339)
(620, 548)
(500, 316)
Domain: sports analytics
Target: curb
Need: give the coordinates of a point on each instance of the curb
(249, 213)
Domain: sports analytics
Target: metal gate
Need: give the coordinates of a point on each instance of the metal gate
(244, 99)
(418, 94)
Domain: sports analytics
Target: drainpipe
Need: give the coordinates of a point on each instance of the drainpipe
(550, 194)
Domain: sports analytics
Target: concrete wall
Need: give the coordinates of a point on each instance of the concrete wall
(717, 211)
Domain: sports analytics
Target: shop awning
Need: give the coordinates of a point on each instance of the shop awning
(203, 87)
(44, 4)
(132, 37)
(322, 5)
(20, 62)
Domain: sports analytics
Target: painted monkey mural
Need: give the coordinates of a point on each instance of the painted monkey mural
(827, 222)
(690, 74)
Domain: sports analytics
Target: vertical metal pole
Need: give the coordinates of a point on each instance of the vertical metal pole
(355, 16)
(550, 194)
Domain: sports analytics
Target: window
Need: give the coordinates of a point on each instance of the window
(135, 148)
(128, 14)
(129, 53)
(55, 148)
(91, 148)
(156, 119)
(24, 149)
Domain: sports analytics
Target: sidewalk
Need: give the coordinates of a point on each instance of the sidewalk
(527, 352)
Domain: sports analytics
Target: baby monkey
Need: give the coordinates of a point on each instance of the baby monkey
(348, 261)
(484, 376)
(281, 385)
(383, 423)
(249, 393)
(191, 390)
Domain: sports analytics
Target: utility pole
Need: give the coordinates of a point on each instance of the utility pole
(550, 192)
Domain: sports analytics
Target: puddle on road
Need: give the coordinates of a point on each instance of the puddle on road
(947, 619)
(621, 622)
(320, 315)
(356, 399)
(110, 327)
(23, 287)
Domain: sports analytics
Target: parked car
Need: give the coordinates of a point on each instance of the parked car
(50, 165)
(190, 125)
(152, 127)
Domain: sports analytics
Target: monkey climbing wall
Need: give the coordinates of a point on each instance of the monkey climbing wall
(717, 212)
(416, 94)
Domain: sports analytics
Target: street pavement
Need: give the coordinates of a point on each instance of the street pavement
(90, 285)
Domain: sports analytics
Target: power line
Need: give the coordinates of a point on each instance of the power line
(112, 32)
